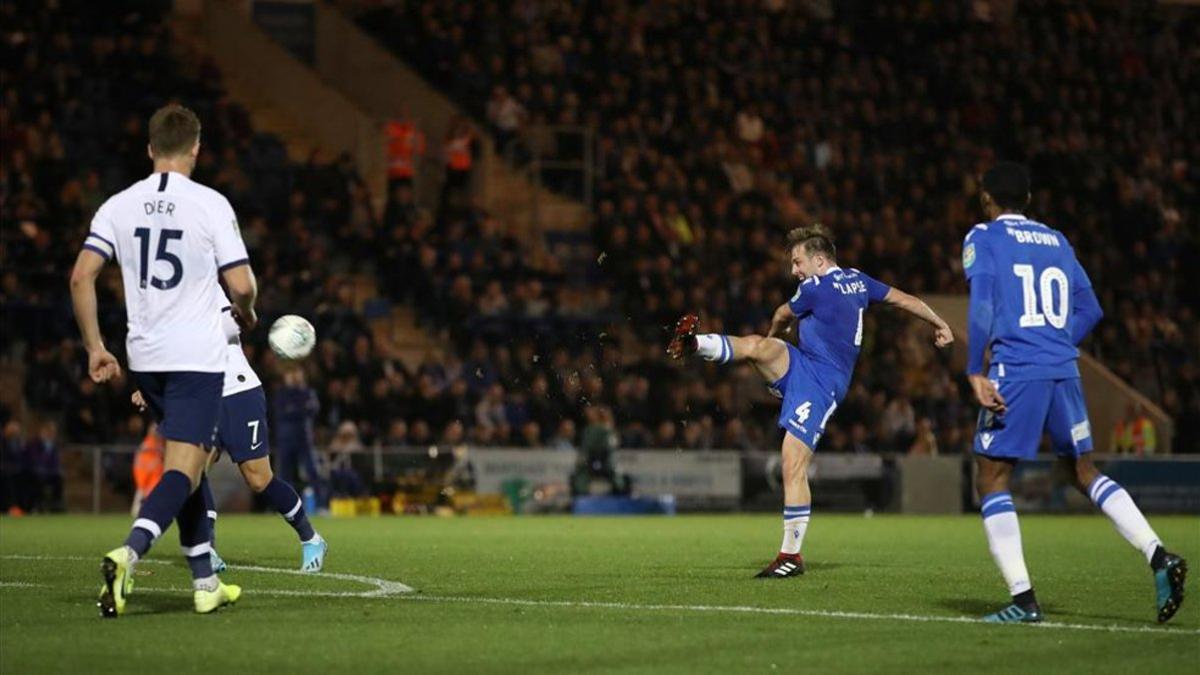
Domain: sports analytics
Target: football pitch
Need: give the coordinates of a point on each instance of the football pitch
(560, 594)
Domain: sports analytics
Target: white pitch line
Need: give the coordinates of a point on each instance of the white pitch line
(20, 584)
(394, 589)
(383, 587)
(821, 613)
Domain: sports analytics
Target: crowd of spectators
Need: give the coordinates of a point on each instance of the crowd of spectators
(722, 123)
(719, 128)
(79, 84)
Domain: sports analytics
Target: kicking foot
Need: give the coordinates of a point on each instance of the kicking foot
(1168, 584)
(785, 565)
(683, 342)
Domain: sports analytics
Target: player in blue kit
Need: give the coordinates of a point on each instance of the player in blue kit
(813, 376)
(1032, 303)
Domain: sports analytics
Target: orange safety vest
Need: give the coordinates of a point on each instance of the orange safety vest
(148, 464)
(405, 143)
(458, 153)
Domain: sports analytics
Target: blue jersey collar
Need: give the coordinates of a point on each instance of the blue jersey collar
(1017, 216)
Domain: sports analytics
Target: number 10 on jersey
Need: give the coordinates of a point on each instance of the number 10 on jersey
(1051, 311)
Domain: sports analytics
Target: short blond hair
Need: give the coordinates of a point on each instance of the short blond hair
(815, 238)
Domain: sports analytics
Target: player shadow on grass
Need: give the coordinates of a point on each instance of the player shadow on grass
(754, 565)
(149, 603)
(980, 608)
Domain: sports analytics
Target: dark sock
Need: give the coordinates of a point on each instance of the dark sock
(1025, 600)
(210, 508)
(289, 505)
(194, 535)
(1159, 559)
(158, 510)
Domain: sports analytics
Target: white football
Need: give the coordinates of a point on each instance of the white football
(292, 337)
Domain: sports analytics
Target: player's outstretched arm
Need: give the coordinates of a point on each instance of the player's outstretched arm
(917, 307)
(102, 365)
(782, 322)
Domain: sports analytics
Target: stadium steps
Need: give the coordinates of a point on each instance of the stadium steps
(265, 115)
(394, 330)
(402, 338)
(376, 80)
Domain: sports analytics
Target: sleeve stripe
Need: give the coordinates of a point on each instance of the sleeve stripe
(93, 234)
(235, 263)
(101, 252)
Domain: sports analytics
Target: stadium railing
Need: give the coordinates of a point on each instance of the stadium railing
(98, 478)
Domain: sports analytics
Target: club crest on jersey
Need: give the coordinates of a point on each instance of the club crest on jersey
(968, 256)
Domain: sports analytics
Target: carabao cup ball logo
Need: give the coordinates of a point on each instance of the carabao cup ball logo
(968, 256)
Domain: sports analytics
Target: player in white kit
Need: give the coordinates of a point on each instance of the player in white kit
(165, 232)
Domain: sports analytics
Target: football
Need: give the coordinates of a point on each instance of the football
(292, 337)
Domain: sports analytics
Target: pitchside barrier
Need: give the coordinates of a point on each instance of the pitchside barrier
(99, 479)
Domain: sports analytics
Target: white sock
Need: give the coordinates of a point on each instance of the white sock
(1004, 540)
(1116, 503)
(713, 347)
(315, 538)
(795, 524)
(133, 556)
(206, 584)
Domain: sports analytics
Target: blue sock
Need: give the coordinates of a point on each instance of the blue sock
(194, 535)
(158, 510)
(285, 500)
(210, 505)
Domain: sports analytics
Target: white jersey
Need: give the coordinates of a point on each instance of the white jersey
(239, 376)
(165, 232)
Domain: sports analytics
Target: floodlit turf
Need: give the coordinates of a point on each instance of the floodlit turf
(597, 595)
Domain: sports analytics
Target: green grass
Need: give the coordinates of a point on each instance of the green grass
(927, 566)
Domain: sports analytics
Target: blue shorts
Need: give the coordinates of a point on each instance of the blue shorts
(1033, 406)
(807, 404)
(185, 404)
(242, 431)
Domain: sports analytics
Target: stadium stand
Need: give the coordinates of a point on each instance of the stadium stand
(705, 158)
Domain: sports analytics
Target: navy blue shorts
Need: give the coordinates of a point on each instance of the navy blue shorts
(807, 404)
(242, 431)
(1033, 406)
(185, 404)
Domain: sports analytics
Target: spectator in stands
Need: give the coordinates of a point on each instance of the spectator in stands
(343, 478)
(45, 466)
(507, 116)
(295, 407)
(564, 436)
(405, 150)
(14, 471)
(925, 443)
(1135, 433)
(458, 152)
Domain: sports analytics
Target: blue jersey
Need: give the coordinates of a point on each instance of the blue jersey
(1035, 281)
(830, 308)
